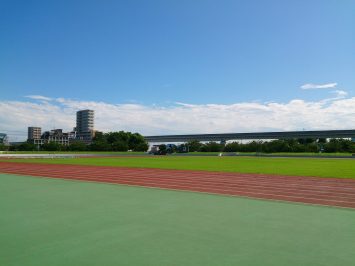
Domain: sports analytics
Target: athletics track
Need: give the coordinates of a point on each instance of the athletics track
(311, 190)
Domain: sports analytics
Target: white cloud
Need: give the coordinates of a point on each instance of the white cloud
(39, 97)
(181, 118)
(340, 93)
(311, 86)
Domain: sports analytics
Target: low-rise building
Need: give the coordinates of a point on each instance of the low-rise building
(57, 136)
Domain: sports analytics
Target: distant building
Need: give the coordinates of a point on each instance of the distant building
(84, 131)
(84, 121)
(85, 125)
(34, 133)
(3, 139)
(55, 135)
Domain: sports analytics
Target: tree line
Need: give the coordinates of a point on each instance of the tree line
(124, 141)
(111, 141)
(282, 145)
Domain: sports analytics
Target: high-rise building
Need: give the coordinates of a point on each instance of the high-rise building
(84, 121)
(85, 125)
(34, 133)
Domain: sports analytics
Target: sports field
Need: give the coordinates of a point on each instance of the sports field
(50, 220)
(341, 168)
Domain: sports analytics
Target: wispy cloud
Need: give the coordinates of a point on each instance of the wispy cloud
(39, 97)
(340, 93)
(181, 118)
(311, 86)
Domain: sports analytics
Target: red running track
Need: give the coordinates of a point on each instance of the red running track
(313, 190)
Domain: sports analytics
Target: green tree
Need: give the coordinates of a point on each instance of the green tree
(117, 136)
(52, 146)
(119, 145)
(306, 140)
(26, 146)
(136, 142)
(211, 147)
(3, 147)
(100, 145)
(141, 147)
(77, 146)
(99, 136)
(162, 149)
(194, 145)
(276, 146)
(182, 148)
(232, 147)
(312, 147)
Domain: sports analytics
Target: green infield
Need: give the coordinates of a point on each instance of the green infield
(59, 222)
(292, 154)
(288, 154)
(343, 168)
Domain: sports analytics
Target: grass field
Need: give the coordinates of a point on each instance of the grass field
(342, 168)
(296, 154)
(58, 222)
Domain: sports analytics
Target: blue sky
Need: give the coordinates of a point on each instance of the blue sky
(142, 59)
(175, 51)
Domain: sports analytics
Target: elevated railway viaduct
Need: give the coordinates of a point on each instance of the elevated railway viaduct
(223, 137)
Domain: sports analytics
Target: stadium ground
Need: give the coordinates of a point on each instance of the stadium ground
(340, 168)
(48, 221)
(59, 222)
(324, 191)
(113, 153)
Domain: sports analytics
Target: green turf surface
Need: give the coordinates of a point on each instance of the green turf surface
(59, 222)
(296, 154)
(343, 168)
